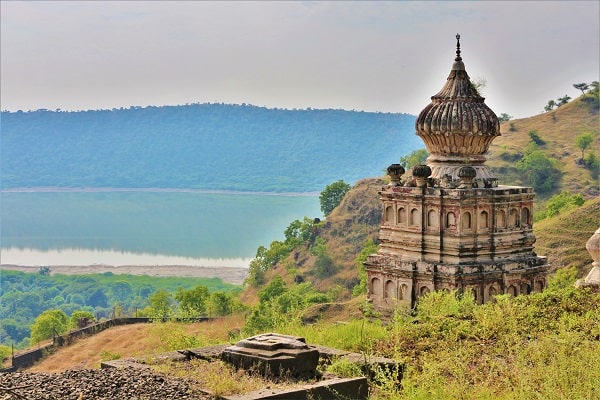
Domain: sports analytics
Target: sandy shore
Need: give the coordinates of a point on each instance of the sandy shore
(234, 275)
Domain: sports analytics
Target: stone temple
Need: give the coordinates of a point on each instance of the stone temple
(450, 225)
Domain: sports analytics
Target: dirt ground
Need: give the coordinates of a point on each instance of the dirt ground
(234, 275)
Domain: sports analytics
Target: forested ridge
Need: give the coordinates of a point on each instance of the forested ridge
(200, 146)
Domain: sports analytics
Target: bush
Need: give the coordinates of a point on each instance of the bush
(539, 171)
(332, 196)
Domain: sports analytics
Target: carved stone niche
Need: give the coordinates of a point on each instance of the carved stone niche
(273, 354)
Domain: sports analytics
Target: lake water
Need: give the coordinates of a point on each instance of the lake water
(149, 227)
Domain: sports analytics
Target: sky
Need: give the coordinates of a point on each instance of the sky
(388, 56)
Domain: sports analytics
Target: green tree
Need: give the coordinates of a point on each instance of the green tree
(581, 86)
(332, 196)
(275, 288)
(584, 141)
(504, 117)
(161, 305)
(49, 323)
(5, 352)
(220, 304)
(533, 135)
(417, 157)
(538, 171)
(192, 302)
(368, 248)
(562, 202)
(563, 100)
(550, 106)
(78, 315)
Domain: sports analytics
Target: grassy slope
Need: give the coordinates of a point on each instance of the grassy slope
(558, 128)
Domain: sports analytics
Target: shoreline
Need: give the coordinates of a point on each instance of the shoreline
(233, 275)
(90, 189)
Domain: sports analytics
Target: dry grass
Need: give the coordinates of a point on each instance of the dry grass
(136, 340)
(562, 238)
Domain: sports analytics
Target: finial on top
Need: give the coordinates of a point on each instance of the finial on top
(458, 58)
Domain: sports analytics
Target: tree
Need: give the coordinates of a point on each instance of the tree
(417, 157)
(192, 302)
(504, 117)
(49, 323)
(581, 86)
(78, 316)
(161, 305)
(332, 196)
(538, 171)
(221, 304)
(584, 141)
(550, 106)
(563, 100)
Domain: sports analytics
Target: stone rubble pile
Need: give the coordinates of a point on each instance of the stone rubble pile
(96, 384)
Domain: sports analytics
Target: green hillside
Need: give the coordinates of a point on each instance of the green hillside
(557, 131)
(200, 146)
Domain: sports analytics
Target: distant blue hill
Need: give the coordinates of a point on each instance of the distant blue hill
(200, 146)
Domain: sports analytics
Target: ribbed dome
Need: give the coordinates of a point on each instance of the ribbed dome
(457, 122)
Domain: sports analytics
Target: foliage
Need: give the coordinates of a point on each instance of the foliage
(561, 202)
(5, 352)
(563, 100)
(24, 296)
(48, 324)
(161, 305)
(368, 248)
(581, 86)
(592, 161)
(533, 135)
(504, 117)
(538, 171)
(192, 302)
(296, 233)
(563, 278)
(417, 157)
(332, 196)
(201, 146)
(584, 141)
(77, 316)
(550, 106)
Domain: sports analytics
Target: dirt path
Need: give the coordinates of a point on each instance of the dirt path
(234, 275)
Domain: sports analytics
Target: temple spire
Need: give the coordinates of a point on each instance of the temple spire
(458, 58)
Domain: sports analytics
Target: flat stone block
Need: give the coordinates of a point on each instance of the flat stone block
(274, 354)
(334, 388)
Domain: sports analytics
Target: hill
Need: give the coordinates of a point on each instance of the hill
(358, 217)
(200, 146)
(557, 130)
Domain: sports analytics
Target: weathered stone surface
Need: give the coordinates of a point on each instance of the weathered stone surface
(451, 226)
(331, 388)
(274, 354)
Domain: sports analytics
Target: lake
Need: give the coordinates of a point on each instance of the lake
(144, 227)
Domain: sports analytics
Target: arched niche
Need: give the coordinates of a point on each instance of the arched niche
(388, 218)
(465, 220)
(433, 219)
(450, 220)
(376, 288)
(402, 216)
(513, 217)
(390, 290)
(500, 219)
(415, 217)
(483, 220)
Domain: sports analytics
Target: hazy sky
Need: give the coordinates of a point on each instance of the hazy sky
(373, 56)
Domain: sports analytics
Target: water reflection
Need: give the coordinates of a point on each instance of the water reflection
(68, 257)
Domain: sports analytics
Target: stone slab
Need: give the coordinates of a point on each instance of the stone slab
(334, 388)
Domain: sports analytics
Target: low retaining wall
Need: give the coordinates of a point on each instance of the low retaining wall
(29, 358)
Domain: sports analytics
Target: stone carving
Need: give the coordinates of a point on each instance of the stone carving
(274, 354)
(451, 226)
